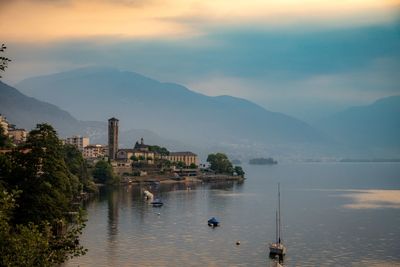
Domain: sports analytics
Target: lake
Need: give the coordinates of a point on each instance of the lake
(333, 214)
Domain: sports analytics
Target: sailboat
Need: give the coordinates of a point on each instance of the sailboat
(277, 248)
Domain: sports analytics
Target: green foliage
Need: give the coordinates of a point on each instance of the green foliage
(193, 166)
(34, 244)
(180, 165)
(134, 158)
(220, 163)
(160, 150)
(239, 171)
(5, 142)
(3, 60)
(103, 173)
(166, 163)
(163, 164)
(19, 245)
(39, 170)
(78, 167)
(42, 190)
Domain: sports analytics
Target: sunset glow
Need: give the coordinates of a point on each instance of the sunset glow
(48, 20)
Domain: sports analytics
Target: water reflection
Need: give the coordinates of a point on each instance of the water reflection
(181, 194)
(125, 230)
(373, 199)
(276, 259)
(113, 210)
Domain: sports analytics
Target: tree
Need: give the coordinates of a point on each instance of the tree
(160, 150)
(180, 165)
(3, 60)
(78, 167)
(239, 171)
(164, 163)
(39, 170)
(5, 142)
(193, 166)
(103, 173)
(42, 189)
(31, 244)
(220, 163)
(36, 193)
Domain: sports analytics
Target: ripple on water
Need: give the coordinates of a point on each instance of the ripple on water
(126, 231)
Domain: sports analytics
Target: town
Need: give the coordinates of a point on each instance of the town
(142, 162)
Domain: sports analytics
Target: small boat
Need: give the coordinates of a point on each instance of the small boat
(277, 248)
(213, 222)
(157, 203)
(148, 195)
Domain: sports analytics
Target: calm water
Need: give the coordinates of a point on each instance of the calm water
(331, 217)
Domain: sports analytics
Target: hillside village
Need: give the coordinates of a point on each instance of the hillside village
(141, 160)
(16, 135)
(140, 163)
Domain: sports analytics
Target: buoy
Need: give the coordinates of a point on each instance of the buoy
(238, 242)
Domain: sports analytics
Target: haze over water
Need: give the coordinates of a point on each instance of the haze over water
(334, 214)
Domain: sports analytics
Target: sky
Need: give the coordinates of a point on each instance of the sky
(306, 58)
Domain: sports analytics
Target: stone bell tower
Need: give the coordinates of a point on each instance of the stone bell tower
(112, 138)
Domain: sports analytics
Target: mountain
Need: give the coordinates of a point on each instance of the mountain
(26, 112)
(375, 126)
(168, 109)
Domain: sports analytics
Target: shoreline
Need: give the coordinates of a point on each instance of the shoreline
(185, 179)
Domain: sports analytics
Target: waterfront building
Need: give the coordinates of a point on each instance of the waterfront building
(95, 151)
(141, 151)
(186, 157)
(112, 138)
(141, 146)
(141, 156)
(78, 141)
(124, 154)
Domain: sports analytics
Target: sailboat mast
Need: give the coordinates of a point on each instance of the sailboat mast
(276, 226)
(279, 214)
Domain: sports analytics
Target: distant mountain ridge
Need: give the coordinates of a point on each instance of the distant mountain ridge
(373, 126)
(26, 112)
(169, 112)
(169, 109)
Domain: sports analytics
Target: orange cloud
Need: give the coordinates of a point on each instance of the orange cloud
(38, 20)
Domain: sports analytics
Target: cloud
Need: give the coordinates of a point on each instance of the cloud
(44, 20)
(299, 71)
(38, 21)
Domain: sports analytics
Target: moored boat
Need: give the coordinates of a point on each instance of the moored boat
(213, 222)
(278, 248)
(157, 203)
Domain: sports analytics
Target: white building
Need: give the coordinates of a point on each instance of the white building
(18, 136)
(4, 124)
(95, 151)
(186, 157)
(79, 141)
